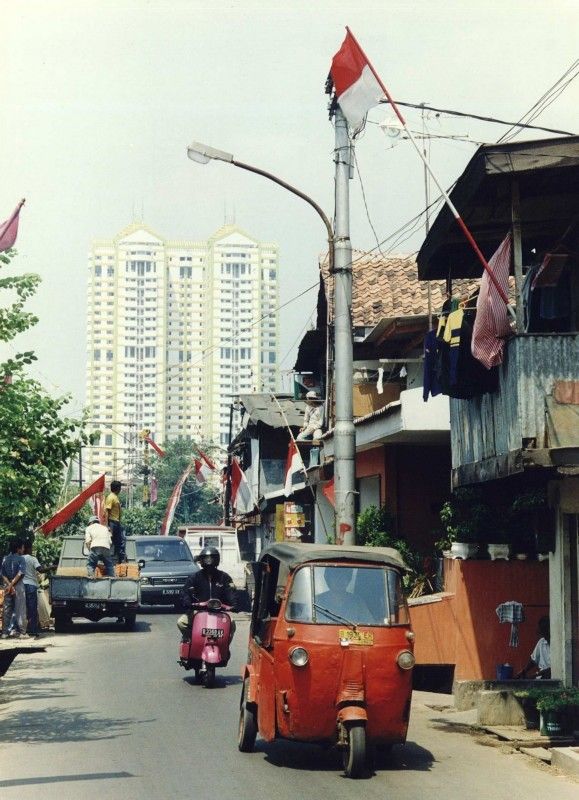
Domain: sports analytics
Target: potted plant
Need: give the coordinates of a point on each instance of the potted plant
(530, 523)
(528, 701)
(467, 520)
(558, 709)
(498, 544)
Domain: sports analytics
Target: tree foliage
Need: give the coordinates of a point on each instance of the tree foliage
(35, 439)
(198, 501)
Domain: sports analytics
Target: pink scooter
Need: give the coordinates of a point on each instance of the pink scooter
(209, 645)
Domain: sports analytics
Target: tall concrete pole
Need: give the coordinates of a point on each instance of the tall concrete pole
(344, 431)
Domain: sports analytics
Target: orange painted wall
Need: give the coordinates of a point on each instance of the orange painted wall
(463, 628)
(371, 462)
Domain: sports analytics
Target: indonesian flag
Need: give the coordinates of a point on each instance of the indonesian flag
(293, 465)
(491, 325)
(161, 453)
(357, 89)
(174, 500)
(203, 467)
(241, 495)
(70, 509)
(9, 229)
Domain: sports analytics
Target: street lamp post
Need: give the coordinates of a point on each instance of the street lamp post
(340, 265)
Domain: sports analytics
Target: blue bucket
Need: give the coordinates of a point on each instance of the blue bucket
(504, 672)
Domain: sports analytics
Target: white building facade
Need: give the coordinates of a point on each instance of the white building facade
(175, 331)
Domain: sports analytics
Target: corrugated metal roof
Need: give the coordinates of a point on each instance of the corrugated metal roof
(264, 408)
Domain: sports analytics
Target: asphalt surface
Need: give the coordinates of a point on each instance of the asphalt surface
(110, 714)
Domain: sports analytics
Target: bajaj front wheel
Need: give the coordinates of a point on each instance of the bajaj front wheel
(247, 724)
(355, 752)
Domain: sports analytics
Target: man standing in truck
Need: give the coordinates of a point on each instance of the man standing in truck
(113, 512)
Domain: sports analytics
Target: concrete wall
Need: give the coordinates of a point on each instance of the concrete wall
(461, 626)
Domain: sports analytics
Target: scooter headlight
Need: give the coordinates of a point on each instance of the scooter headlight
(299, 656)
(405, 659)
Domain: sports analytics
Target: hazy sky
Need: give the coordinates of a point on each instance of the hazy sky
(98, 101)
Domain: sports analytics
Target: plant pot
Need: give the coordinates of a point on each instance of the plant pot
(531, 713)
(551, 723)
(463, 550)
(498, 551)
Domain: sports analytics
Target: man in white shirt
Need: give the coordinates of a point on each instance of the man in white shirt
(98, 540)
(313, 417)
(540, 659)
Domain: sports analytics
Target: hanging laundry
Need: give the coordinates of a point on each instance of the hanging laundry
(380, 381)
(512, 612)
(492, 326)
(430, 382)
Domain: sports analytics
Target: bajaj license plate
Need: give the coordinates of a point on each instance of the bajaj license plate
(212, 633)
(356, 637)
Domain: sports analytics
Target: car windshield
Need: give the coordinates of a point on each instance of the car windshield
(347, 595)
(164, 551)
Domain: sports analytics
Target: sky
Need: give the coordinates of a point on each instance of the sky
(99, 100)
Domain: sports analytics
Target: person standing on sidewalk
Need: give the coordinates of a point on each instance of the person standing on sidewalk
(30, 581)
(113, 512)
(12, 572)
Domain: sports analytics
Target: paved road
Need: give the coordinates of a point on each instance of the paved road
(108, 714)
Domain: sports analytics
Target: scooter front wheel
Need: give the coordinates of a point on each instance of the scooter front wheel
(355, 752)
(209, 676)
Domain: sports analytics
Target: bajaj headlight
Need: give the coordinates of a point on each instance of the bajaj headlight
(299, 656)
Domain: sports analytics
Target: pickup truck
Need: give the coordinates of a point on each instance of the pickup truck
(74, 594)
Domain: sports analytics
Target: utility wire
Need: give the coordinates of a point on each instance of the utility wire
(478, 116)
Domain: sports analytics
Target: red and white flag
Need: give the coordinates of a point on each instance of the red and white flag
(9, 229)
(293, 465)
(491, 325)
(357, 89)
(203, 467)
(241, 494)
(70, 509)
(174, 500)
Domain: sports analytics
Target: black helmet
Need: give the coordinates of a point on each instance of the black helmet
(209, 557)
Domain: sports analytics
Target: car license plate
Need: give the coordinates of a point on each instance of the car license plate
(212, 633)
(356, 637)
(170, 591)
(98, 606)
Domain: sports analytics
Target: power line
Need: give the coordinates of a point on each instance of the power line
(495, 120)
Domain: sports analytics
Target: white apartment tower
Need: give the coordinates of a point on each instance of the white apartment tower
(176, 329)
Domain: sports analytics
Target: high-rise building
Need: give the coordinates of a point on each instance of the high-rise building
(176, 329)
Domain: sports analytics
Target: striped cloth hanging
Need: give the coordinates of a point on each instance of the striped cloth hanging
(491, 325)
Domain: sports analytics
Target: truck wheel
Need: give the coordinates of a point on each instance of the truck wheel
(61, 622)
(130, 620)
(355, 753)
(247, 724)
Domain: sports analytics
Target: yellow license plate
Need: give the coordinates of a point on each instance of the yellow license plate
(356, 637)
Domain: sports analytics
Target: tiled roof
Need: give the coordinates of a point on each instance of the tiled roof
(388, 286)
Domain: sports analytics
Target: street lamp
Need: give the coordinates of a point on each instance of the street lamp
(340, 265)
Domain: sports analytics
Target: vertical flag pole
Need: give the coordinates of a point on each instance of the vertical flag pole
(442, 191)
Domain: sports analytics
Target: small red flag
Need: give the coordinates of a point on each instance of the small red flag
(9, 229)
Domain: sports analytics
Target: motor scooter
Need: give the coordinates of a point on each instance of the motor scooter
(209, 645)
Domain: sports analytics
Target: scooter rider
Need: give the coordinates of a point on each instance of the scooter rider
(209, 583)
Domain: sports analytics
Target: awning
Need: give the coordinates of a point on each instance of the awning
(547, 171)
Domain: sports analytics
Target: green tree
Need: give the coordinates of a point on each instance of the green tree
(36, 441)
(198, 504)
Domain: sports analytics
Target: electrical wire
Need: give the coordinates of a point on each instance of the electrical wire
(495, 120)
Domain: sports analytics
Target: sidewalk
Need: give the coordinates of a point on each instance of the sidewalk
(562, 752)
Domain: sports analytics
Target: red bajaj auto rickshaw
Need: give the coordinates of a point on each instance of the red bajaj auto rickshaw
(330, 650)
